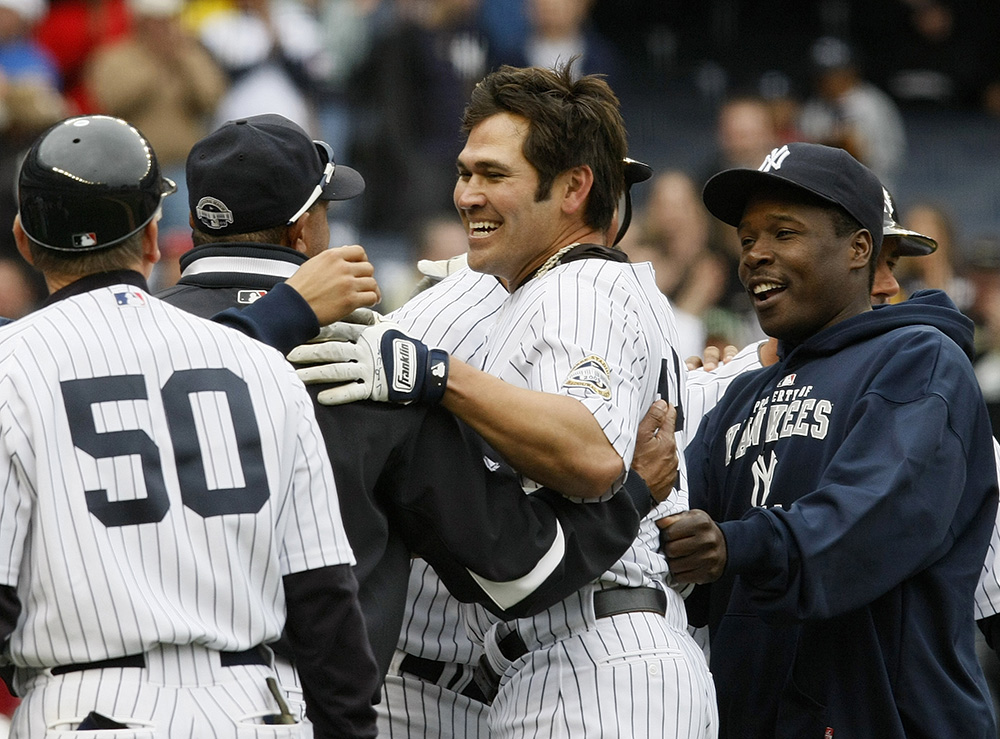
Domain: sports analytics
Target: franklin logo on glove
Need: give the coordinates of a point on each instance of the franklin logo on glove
(403, 351)
(380, 363)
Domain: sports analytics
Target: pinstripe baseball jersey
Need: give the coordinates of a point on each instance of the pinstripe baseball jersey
(601, 332)
(156, 490)
(705, 389)
(453, 315)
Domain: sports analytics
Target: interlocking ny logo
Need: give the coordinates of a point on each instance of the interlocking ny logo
(774, 159)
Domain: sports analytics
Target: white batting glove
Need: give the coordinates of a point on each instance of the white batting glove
(349, 328)
(435, 270)
(441, 268)
(385, 364)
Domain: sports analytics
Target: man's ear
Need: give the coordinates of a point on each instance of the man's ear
(21, 239)
(296, 233)
(576, 184)
(862, 249)
(151, 243)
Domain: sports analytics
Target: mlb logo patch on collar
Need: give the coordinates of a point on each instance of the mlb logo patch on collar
(591, 373)
(130, 297)
(787, 380)
(245, 297)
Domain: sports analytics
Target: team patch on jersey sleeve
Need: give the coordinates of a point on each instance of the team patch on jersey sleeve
(591, 373)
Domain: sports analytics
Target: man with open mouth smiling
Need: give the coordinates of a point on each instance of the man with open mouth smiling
(853, 480)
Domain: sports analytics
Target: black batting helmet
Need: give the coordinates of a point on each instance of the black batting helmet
(88, 183)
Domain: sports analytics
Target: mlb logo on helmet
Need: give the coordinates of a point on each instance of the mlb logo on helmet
(87, 239)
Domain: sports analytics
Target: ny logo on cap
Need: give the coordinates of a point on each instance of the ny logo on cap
(774, 159)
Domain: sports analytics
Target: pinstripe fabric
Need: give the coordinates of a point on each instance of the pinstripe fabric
(705, 389)
(201, 573)
(612, 312)
(182, 692)
(632, 676)
(453, 315)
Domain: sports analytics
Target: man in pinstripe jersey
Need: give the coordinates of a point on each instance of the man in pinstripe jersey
(166, 489)
(249, 167)
(579, 350)
(430, 691)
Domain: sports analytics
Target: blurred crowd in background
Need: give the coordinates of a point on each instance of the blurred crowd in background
(910, 87)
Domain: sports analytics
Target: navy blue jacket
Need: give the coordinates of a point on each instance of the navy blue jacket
(856, 484)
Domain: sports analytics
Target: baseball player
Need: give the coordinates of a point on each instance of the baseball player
(247, 182)
(865, 449)
(580, 348)
(166, 489)
(430, 690)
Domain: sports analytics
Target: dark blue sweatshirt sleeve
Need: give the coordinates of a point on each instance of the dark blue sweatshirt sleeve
(281, 319)
(910, 475)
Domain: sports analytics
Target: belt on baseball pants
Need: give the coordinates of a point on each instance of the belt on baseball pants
(607, 603)
(253, 656)
(431, 671)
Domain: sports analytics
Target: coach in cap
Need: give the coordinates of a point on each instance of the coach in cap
(853, 482)
(259, 189)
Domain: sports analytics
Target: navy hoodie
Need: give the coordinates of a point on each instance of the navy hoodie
(856, 484)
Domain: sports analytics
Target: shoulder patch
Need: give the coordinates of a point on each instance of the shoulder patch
(591, 373)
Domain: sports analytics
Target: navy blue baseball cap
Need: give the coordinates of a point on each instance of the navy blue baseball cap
(827, 172)
(262, 172)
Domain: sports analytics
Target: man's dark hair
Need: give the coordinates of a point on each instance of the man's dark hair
(267, 236)
(79, 264)
(571, 123)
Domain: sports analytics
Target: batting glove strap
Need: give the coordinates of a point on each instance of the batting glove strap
(411, 371)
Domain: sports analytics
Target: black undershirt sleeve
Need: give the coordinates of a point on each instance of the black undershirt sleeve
(327, 635)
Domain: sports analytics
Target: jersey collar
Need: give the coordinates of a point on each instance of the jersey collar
(248, 265)
(101, 279)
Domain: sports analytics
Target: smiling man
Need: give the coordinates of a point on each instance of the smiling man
(578, 351)
(853, 479)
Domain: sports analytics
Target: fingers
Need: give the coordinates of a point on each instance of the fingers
(655, 458)
(712, 358)
(728, 353)
(650, 424)
(440, 268)
(346, 393)
(327, 374)
(669, 422)
(326, 353)
(363, 317)
(339, 331)
(336, 282)
(694, 546)
(693, 362)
